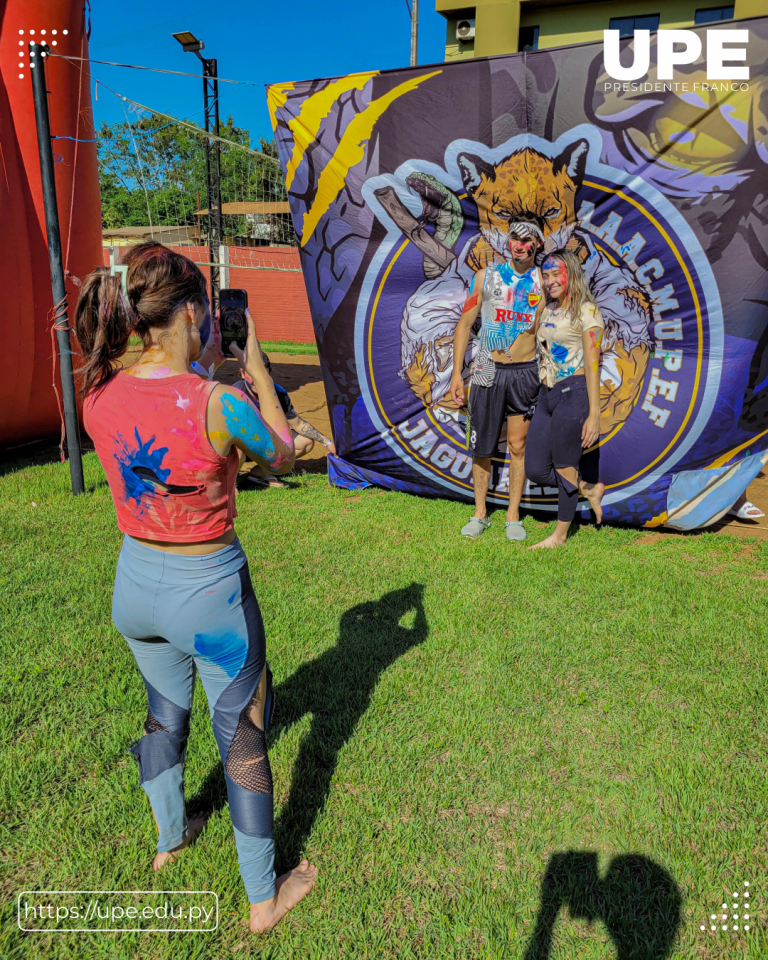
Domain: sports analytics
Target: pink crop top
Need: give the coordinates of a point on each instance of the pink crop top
(167, 481)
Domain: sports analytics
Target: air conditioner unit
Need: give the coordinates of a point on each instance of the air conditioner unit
(465, 30)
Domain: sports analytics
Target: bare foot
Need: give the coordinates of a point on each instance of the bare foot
(195, 825)
(291, 888)
(594, 493)
(551, 541)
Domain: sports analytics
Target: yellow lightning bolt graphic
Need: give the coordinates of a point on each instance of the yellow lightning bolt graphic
(313, 111)
(350, 152)
(277, 94)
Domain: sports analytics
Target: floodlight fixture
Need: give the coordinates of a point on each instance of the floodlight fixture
(189, 42)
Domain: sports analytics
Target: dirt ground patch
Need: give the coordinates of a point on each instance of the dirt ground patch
(301, 377)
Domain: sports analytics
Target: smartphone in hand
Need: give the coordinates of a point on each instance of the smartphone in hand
(234, 329)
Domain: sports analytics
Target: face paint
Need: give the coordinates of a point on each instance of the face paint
(558, 274)
(522, 249)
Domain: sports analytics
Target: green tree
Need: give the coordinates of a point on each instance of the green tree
(151, 173)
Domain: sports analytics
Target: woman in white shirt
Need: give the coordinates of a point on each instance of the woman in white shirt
(567, 417)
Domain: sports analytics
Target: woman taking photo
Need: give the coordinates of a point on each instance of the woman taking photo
(168, 441)
(567, 416)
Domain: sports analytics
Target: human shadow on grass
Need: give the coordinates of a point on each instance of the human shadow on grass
(336, 688)
(637, 900)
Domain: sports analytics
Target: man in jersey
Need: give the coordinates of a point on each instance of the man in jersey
(505, 382)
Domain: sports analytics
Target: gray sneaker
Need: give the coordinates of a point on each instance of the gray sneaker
(475, 528)
(515, 530)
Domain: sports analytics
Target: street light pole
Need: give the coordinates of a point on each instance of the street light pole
(191, 44)
(414, 32)
(213, 172)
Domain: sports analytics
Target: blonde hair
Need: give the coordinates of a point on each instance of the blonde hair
(577, 292)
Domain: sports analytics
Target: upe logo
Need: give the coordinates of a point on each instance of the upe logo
(667, 57)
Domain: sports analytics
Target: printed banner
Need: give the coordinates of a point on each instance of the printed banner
(402, 186)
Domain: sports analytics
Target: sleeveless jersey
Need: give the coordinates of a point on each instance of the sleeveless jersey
(510, 301)
(167, 481)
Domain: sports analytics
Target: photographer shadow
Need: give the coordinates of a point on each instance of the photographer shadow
(336, 688)
(637, 900)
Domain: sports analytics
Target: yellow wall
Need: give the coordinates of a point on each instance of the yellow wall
(748, 8)
(497, 22)
(579, 23)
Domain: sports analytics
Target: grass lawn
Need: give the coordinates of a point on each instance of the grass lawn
(489, 753)
(278, 346)
(288, 346)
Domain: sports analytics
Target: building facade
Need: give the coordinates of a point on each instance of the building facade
(491, 27)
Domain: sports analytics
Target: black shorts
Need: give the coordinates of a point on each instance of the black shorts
(513, 393)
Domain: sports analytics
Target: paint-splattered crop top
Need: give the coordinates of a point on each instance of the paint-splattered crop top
(560, 347)
(167, 481)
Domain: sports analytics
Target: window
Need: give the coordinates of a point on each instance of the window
(627, 25)
(528, 39)
(713, 14)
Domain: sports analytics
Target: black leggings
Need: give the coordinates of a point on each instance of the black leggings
(554, 440)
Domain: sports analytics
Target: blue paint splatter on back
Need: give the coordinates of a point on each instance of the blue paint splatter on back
(141, 456)
(232, 598)
(227, 650)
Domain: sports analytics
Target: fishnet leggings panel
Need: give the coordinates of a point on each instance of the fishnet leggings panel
(152, 724)
(247, 760)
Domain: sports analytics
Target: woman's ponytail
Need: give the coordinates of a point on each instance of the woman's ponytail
(104, 322)
(159, 282)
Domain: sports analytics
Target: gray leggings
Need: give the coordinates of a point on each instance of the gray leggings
(181, 613)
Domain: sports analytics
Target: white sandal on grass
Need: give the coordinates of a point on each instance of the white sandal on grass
(747, 511)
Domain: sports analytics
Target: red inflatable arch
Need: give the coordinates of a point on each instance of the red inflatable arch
(28, 408)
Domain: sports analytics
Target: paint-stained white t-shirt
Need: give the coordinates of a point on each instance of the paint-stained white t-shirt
(559, 347)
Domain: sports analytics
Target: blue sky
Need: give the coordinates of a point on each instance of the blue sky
(259, 42)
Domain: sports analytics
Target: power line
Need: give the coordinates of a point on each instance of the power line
(147, 133)
(182, 123)
(136, 66)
